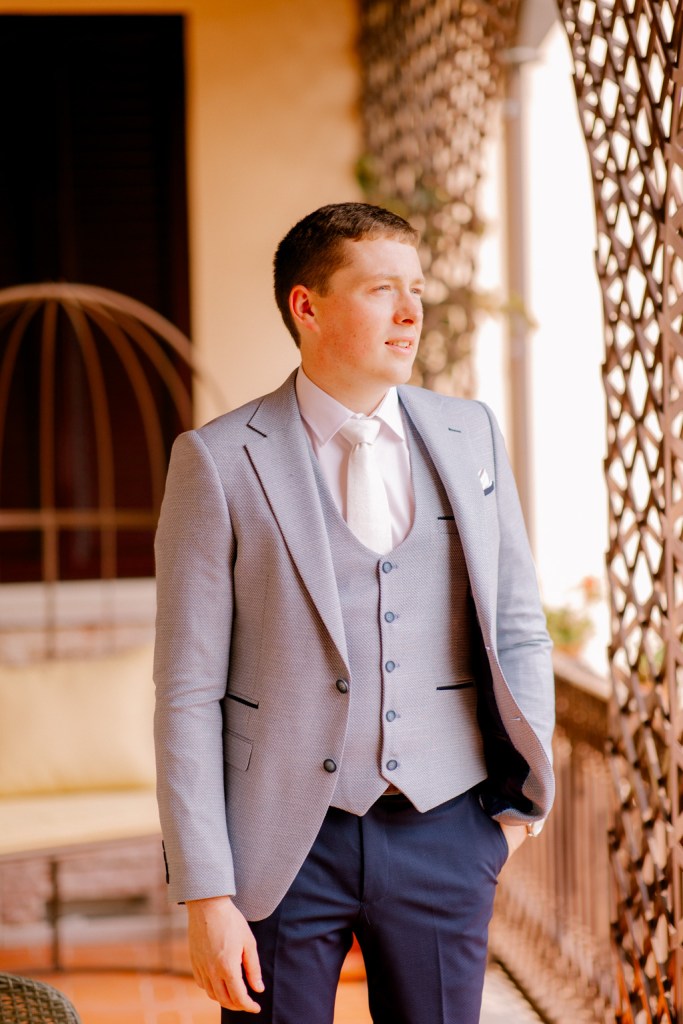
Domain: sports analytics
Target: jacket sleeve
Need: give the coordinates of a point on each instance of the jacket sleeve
(524, 646)
(523, 651)
(194, 551)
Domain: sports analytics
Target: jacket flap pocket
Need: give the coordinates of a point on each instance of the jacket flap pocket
(237, 750)
(240, 698)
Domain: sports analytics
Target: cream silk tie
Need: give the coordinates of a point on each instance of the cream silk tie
(367, 508)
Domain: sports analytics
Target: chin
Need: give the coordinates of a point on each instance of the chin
(403, 375)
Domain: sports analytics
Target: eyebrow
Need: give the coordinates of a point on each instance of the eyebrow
(394, 277)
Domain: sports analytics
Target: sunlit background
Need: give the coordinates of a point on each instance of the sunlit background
(159, 150)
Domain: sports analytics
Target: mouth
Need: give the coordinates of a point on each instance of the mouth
(401, 344)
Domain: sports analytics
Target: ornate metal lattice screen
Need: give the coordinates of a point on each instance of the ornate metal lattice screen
(430, 69)
(626, 56)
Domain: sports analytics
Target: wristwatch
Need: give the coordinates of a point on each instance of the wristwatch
(534, 828)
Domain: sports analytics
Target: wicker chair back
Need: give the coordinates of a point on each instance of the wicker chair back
(25, 1001)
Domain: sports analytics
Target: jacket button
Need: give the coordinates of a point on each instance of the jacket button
(392, 765)
(387, 567)
(390, 666)
(342, 686)
(390, 716)
(389, 616)
(329, 765)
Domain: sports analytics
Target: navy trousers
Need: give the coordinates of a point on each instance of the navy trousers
(416, 889)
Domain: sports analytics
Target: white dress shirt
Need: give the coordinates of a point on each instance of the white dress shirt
(323, 416)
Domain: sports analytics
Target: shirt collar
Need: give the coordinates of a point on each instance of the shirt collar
(325, 415)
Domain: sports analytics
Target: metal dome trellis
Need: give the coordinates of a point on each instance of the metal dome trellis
(119, 349)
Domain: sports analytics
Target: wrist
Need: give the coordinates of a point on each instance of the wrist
(207, 901)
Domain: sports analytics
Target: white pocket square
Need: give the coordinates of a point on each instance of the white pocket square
(485, 481)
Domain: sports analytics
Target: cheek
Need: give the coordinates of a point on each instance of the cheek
(361, 335)
(355, 333)
(371, 328)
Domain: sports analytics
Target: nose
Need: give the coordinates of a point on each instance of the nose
(408, 309)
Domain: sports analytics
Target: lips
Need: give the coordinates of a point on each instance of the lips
(400, 343)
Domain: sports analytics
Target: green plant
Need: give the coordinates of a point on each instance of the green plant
(569, 627)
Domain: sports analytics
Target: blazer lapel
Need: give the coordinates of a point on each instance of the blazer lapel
(445, 430)
(280, 454)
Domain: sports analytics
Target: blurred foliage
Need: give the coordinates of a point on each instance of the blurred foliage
(443, 361)
(453, 307)
(431, 73)
(569, 628)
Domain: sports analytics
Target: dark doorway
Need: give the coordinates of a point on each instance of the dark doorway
(92, 190)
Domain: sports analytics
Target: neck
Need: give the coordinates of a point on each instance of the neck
(357, 399)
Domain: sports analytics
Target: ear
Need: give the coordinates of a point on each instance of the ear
(302, 309)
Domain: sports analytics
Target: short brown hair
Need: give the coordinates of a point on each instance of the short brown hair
(313, 249)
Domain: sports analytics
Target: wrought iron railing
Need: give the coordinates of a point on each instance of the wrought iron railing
(551, 927)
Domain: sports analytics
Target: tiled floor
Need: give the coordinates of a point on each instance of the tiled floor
(140, 997)
(102, 998)
(503, 1002)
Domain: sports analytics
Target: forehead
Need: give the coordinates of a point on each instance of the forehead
(379, 257)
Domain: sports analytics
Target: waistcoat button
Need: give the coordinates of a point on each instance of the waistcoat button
(387, 567)
(390, 716)
(329, 765)
(392, 765)
(342, 686)
(390, 666)
(389, 616)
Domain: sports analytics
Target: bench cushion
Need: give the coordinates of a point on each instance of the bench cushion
(32, 824)
(77, 725)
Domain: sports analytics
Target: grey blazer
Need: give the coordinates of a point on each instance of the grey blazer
(250, 642)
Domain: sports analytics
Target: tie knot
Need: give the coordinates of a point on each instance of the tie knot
(363, 431)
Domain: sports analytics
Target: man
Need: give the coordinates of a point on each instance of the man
(354, 689)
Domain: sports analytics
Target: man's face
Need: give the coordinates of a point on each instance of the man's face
(366, 328)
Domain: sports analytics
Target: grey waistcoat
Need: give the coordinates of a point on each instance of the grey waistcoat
(409, 620)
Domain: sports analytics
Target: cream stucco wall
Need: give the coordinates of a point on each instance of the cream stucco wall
(273, 132)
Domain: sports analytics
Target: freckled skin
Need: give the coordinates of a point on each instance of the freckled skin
(360, 338)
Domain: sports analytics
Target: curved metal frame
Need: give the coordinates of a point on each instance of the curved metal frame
(131, 329)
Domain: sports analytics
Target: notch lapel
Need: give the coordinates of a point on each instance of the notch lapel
(280, 454)
(445, 427)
